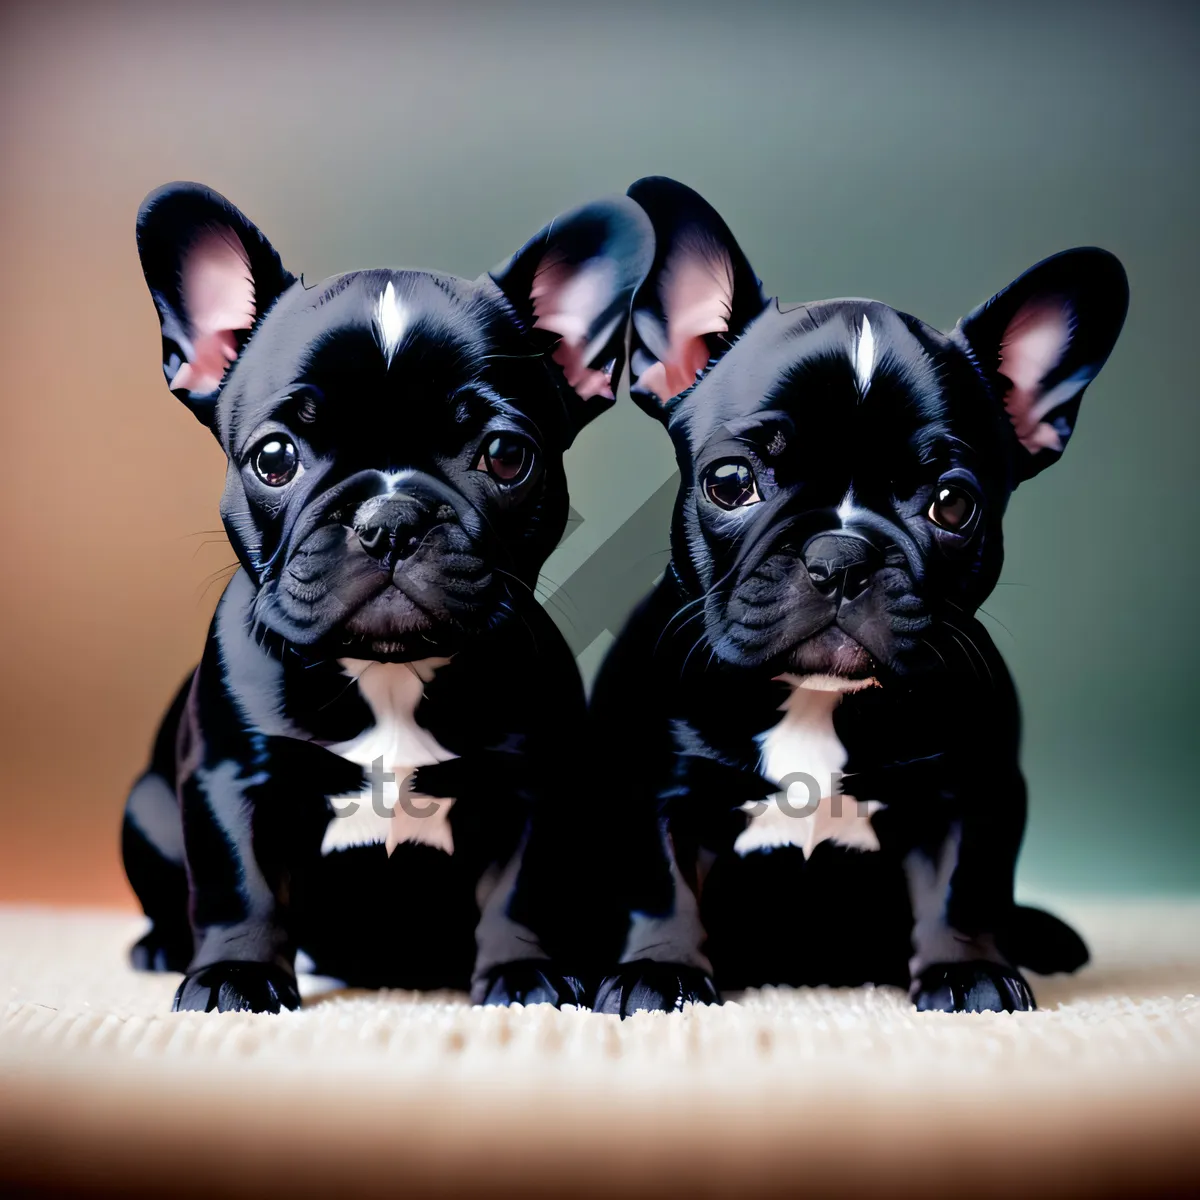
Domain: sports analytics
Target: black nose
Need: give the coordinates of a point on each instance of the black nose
(375, 539)
(395, 529)
(840, 567)
(381, 542)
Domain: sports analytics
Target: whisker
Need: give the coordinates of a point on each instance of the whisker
(549, 600)
(221, 541)
(966, 652)
(670, 626)
(957, 632)
(349, 684)
(999, 622)
(511, 605)
(926, 642)
(221, 575)
(699, 600)
(695, 647)
(553, 593)
(696, 616)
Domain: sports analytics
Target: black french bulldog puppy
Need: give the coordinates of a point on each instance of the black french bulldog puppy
(369, 763)
(828, 788)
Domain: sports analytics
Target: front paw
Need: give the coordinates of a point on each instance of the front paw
(237, 987)
(530, 982)
(971, 987)
(647, 986)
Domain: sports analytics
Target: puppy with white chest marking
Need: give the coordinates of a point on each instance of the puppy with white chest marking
(828, 788)
(371, 762)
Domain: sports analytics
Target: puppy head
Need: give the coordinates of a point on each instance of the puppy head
(394, 438)
(846, 467)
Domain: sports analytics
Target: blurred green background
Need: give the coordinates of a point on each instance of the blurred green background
(921, 154)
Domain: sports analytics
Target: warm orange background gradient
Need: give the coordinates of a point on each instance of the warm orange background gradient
(105, 477)
(348, 136)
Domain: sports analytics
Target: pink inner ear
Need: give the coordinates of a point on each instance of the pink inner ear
(1033, 345)
(568, 300)
(217, 290)
(696, 292)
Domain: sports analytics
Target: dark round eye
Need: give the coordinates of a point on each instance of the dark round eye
(507, 458)
(276, 460)
(952, 508)
(731, 484)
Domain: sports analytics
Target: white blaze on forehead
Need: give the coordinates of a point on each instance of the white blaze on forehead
(864, 356)
(847, 508)
(850, 512)
(391, 320)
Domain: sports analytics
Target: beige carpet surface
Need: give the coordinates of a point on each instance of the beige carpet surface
(101, 1086)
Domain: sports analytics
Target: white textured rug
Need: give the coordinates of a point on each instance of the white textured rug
(102, 1087)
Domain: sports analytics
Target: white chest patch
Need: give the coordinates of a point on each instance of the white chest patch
(391, 750)
(803, 755)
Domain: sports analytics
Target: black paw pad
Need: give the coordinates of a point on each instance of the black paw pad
(162, 950)
(532, 982)
(237, 987)
(646, 986)
(971, 987)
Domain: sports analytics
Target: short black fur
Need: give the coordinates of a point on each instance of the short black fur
(845, 469)
(394, 485)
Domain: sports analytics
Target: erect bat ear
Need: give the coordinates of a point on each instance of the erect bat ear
(1042, 340)
(699, 296)
(213, 276)
(575, 280)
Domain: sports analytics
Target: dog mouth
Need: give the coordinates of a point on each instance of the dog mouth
(346, 604)
(408, 648)
(395, 625)
(832, 661)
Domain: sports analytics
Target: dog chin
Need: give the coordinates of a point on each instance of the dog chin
(392, 628)
(831, 661)
(829, 683)
(401, 647)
